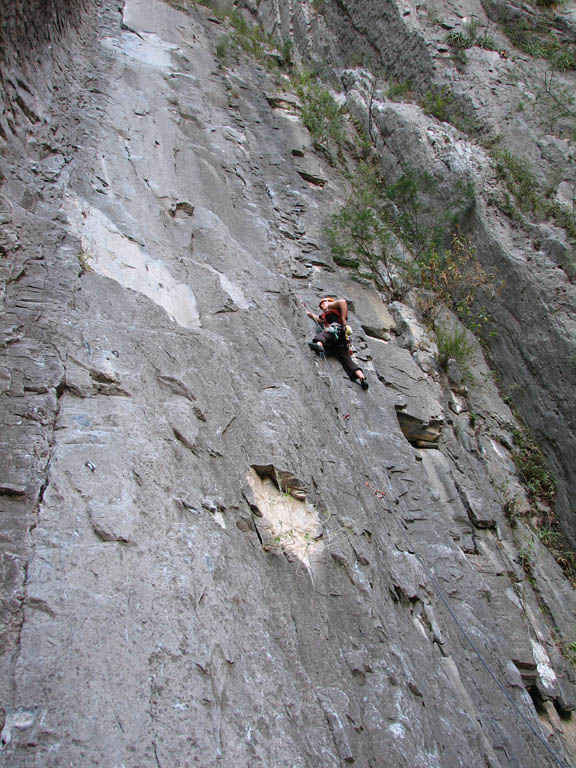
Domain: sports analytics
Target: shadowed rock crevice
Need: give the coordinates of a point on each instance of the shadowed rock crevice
(286, 523)
(420, 433)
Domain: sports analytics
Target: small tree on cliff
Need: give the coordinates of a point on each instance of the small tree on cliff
(386, 229)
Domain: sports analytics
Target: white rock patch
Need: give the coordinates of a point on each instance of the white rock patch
(112, 254)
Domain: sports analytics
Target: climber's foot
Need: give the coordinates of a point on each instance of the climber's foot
(316, 346)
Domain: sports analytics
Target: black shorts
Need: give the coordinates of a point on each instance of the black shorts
(339, 351)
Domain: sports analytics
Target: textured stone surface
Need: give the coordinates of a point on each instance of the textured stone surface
(493, 90)
(217, 550)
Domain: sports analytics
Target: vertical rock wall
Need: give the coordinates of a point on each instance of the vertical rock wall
(33, 58)
(218, 550)
(532, 345)
(42, 51)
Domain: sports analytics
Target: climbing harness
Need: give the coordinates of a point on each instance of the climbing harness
(338, 331)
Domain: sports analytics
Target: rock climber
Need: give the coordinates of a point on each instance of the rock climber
(332, 339)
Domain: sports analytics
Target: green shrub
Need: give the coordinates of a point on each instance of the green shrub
(530, 463)
(453, 344)
(406, 194)
(361, 231)
(321, 113)
(441, 103)
(558, 98)
(486, 42)
(223, 48)
(471, 36)
(84, 260)
(400, 91)
(364, 230)
(563, 58)
(438, 102)
(459, 41)
(453, 277)
(287, 51)
(534, 36)
(568, 649)
(512, 511)
(527, 559)
(243, 36)
(250, 38)
(384, 227)
(519, 180)
(524, 195)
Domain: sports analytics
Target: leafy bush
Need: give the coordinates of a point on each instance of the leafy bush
(519, 179)
(249, 37)
(525, 195)
(438, 102)
(459, 40)
(361, 231)
(321, 113)
(474, 34)
(400, 91)
(530, 463)
(287, 50)
(559, 100)
(569, 651)
(384, 228)
(406, 194)
(84, 260)
(453, 344)
(223, 48)
(379, 227)
(454, 275)
(486, 42)
(243, 36)
(534, 36)
(479, 34)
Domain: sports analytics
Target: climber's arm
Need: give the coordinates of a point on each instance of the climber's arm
(314, 317)
(341, 307)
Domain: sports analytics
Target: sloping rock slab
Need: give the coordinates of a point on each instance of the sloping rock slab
(310, 170)
(418, 408)
(373, 314)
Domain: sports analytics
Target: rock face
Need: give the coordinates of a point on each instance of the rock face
(486, 90)
(216, 549)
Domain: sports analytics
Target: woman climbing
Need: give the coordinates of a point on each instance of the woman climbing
(332, 339)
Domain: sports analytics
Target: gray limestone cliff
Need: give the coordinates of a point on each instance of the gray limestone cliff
(216, 549)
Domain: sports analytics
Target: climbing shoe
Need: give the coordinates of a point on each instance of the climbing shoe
(363, 383)
(315, 347)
